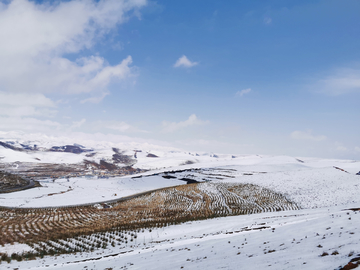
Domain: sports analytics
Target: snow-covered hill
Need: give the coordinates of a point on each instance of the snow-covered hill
(324, 234)
(40, 156)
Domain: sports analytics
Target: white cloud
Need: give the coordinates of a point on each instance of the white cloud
(267, 20)
(357, 149)
(96, 99)
(191, 121)
(77, 124)
(307, 135)
(14, 99)
(36, 37)
(119, 126)
(341, 148)
(183, 61)
(342, 81)
(22, 104)
(28, 124)
(243, 92)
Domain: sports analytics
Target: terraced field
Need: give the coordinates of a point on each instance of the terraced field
(154, 209)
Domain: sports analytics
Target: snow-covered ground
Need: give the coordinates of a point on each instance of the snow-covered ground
(323, 188)
(280, 240)
(314, 183)
(81, 190)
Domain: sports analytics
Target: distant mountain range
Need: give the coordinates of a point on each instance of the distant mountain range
(59, 157)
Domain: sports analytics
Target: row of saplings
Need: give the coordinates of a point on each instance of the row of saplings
(84, 243)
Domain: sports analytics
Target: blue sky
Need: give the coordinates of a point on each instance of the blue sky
(240, 77)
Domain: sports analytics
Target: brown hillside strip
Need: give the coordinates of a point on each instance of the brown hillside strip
(161, 207)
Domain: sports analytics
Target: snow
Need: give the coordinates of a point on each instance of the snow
(310, 185)
(82, 190)
(272, 240)
(14, 248)
(39, 157)
(280, 240)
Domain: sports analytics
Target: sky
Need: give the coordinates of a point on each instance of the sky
(237, 77)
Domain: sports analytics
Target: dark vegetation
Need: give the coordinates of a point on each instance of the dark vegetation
(107, 166)
(119, 157)
(169, 176)
(34, 171)
(75, 149)
(12, 182)
(188, 180)
(188, 162)
(9, 146)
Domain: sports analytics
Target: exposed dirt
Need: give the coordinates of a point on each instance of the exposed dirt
(354, 263)
(354, 209)
(340, 169)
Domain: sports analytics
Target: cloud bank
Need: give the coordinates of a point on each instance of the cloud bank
(28, 104)
(46, 50)
(36, 38)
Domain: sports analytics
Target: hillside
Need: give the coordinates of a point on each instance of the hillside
(175, 209)
(11, 183)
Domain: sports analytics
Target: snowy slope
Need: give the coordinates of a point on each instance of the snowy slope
(82, 191)
(286, 240)
(323, 188)
(310, 185)
(38, 149)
